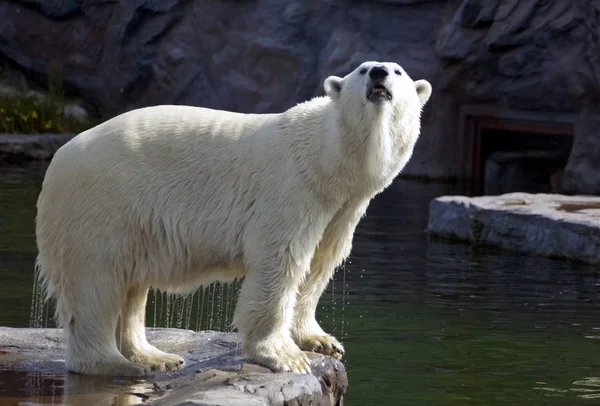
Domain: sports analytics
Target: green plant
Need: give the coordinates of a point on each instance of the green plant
(25, 114)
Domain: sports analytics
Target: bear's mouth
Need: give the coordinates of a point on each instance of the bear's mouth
(378, 93)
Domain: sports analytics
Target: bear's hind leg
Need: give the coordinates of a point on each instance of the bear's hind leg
(90, 333)
(131, 335)
(264, 315)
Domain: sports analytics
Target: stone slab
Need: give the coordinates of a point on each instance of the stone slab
(32, 370)
(549, 225)
(23, 147)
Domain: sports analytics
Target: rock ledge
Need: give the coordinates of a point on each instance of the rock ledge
(541, 224)
(32, 369)
(27, 147)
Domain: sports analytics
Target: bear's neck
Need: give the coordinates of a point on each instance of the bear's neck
(374, 150)
(347, 158)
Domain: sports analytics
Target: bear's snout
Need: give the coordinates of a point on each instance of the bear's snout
(377, 91)
(378, 72)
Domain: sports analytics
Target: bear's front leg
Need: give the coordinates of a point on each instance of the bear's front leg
(333, 248)
(264, 314)
(306, 331)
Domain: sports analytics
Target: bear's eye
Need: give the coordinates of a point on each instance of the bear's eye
(363, 71)
(397, 72)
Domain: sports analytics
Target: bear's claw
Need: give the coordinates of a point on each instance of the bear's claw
(323, 344)
(158, 360)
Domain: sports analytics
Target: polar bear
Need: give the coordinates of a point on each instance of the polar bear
(174, 197)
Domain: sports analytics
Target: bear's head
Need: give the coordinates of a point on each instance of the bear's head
(377, 86)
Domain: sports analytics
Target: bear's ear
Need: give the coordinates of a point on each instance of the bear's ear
(423, 90)
(333, 87)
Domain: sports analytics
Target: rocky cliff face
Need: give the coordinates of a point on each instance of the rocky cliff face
(526, 54)
(248, 56)
(266, 55)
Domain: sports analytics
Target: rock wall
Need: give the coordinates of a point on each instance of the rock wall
(266, 55)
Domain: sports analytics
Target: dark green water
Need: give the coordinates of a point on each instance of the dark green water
(423, 322)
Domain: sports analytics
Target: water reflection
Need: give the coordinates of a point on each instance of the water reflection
(43, 387)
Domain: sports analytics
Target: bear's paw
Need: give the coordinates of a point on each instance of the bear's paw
(323, 344)
(158, 360)
(280, 354)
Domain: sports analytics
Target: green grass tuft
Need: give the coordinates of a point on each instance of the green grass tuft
(29, 114)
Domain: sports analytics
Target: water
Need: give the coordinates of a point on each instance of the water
(209, 308)
(423, 322)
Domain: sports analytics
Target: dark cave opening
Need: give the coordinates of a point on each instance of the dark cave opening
(527, 159)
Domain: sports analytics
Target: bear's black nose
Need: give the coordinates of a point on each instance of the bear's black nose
(378, 72)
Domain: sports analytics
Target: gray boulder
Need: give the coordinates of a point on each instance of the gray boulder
(541, 224)
(214, 374)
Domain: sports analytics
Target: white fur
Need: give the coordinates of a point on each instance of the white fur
(172, 197)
